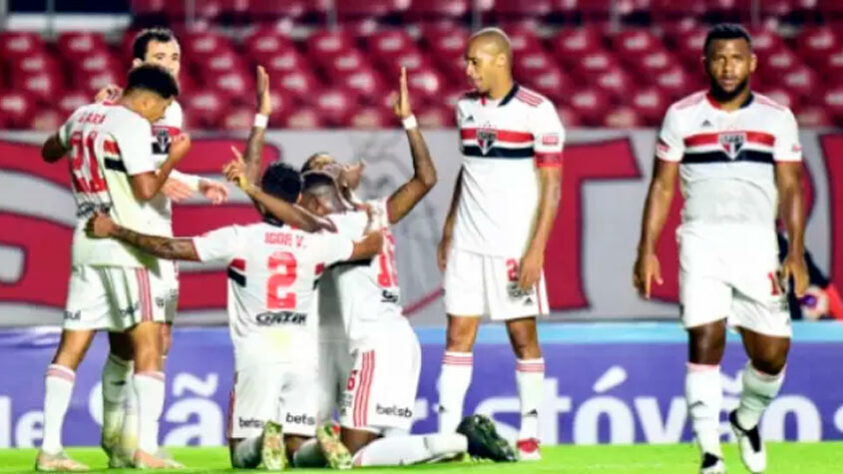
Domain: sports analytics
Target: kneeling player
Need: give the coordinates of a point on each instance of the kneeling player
(273, 270)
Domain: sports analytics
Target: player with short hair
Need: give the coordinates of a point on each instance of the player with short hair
(273, 273)
(493, 242)
(119, 433)
(740, 162)
(113, 287)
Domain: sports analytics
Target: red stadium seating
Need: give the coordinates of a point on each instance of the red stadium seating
(833, 102)
(304, 118)
(235, 83)
(350, 9)
(765, 41)
(299, 84)
(783, 96)
(390, 43)
(204, 110)
(327, 44)
(366, 82)
(335, 105)
(96, 62)
(832, 65)
(238, 118)
(72, 100)
(426, 82)
(273, 9)
(622, 117)
(281, 106)
(614, 81)
(569, 45)
(15, 45)
(650, 103)
(267, 42)
(447, 48)
(634, 43)
(33, 64)
(593, 64)
(436, 116)
(523, 39)
(351, 60)
(370, 118)
(46, 120)
(92, 83)
(533, 62)
(438, 9)
(551, 82)
(282, 62)
(651, 64)
(18, 107)
(816, 44)
(569, 117)
(509, 9)
(76, 44)
(41, 85)
(802, 81)
(590, 104)
(676, 83)
(199, 45)
(772, 66)
(813, 116)
(689, 45)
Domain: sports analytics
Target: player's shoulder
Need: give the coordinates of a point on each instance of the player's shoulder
(530, 97)
(770, 106)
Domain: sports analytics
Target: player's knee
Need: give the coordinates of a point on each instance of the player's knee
(120, 346)
(771, 359)
(460, 336)
(706, 344)
(526, 345)
(166, 338)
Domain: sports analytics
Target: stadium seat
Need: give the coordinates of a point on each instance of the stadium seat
(649, 65)
(199, 45)
(282, 62)
(569, 45)
(514, 9)
(676, 83)
(282, 104)
(72, 45)
(267, 42)
(446, 46)
(42, 85)
(370, 118)
(335, 105)
(327, 44)
(772, 66)
(46, 119)
(431, 10)
(532, 62)
(550, 82)
(97, 62)
(299, 84)
(238, 118)
(303, 118)
(590, 104)
(219, 63)
(615, 81)
(94, 82)
(591, 65)
(351, 60)
(424, 81)
(263, 10)
(389, 43)
(204, 110)
(235, 83)
(815, 44)
(34, 63)
(15, 45)
(436, 116)
(832, 65)
(72, 100)
(689, 45)
(366, 82)
(765, 41)
(833, 102)
(634, 43)
(569, 117)
(650, 103)
(523, 39)
(813, 116)
(413, 60)
(18, 107)
(802, 81)
(356, 9)
(622, 117)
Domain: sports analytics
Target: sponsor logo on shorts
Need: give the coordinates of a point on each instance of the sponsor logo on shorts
(160, 301)
(249, 423)
(402, 412)
(280, 317)
(301, 419)
(388, 296)
(72, 315)
(516, 292)
(130, 310)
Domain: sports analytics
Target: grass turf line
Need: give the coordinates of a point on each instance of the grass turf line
(784, 458)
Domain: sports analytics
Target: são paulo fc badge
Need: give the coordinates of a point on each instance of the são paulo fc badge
(732, 143)
(486, 136)
(162, 141)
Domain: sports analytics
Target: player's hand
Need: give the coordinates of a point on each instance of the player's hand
(176, 190)
(235, 170)
(794, 266)
(215, 191)
(179, 146)
(351, 175)
(401, 99)
(264, 99)
(442, 252)
(646, 270)
(530, 269)
(100, 226)
(109, 93)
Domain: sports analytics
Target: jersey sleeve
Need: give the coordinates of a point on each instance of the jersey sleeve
(786, 146)
(548, 135)
(67, 127)
(220, 245)
(670, 145)
(134, 139)
(335, 248)
(379, 210)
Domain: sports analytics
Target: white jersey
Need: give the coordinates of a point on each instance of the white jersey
(368, 292)
(727, 159)
(272, 273)
(163, 132)
(503, 143)
(108, 144)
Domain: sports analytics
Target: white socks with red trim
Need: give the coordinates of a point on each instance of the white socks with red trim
(704, 395)
(149, 387)
(58, 388)
(453, 384)
(759, 390)
(529, 376)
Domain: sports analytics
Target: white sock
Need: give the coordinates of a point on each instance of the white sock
(759, 389)
(410, 449)
(529, 376)
(58, 388)
(247, 453)
(453, 383)
(129, 436)
(149, 387)
(309, 454)
(704, 395)
(115, 375)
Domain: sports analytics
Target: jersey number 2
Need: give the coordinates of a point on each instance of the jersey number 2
(84, 157)
(283, 267)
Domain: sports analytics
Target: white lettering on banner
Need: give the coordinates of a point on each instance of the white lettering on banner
(838, 419)
(5, 422)
(808, 423)
(208, 428)
(30, 428)
(420, 410)
(657, 429)
(587, 421)
(95, 403)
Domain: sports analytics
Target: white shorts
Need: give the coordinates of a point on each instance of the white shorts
(284, 393)
(113, 298)
(380, 393)
(739, 281)
(335, 364)
(170, 279)
(476, 285)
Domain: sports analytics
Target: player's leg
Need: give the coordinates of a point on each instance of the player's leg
(255, 437)
(465, 306)
(765, 329)
(119, 414)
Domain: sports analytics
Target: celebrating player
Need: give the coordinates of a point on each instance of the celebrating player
(113, 287)
(273, 271)
(119, 433)
(501, 215)
(740, 161)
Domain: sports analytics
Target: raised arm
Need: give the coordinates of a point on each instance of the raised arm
(254, 145)
(101, 226)
(402, 201)
(792, 212)
(656, 207)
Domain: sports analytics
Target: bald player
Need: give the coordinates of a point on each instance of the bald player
(501, 215)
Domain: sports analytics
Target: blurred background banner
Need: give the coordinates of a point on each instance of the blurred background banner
(611, 383)
(589, 258)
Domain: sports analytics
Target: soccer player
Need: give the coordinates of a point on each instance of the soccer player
(113, 287)
(501, 215)
(273, 271)
(740, 162)
(119, 434)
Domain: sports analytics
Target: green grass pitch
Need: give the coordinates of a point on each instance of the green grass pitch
(784, 458)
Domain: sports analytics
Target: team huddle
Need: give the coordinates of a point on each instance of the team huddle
(313, 296)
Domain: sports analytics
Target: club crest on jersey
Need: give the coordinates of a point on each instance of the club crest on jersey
(162, 141)
(486, 137)
(732, 143)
